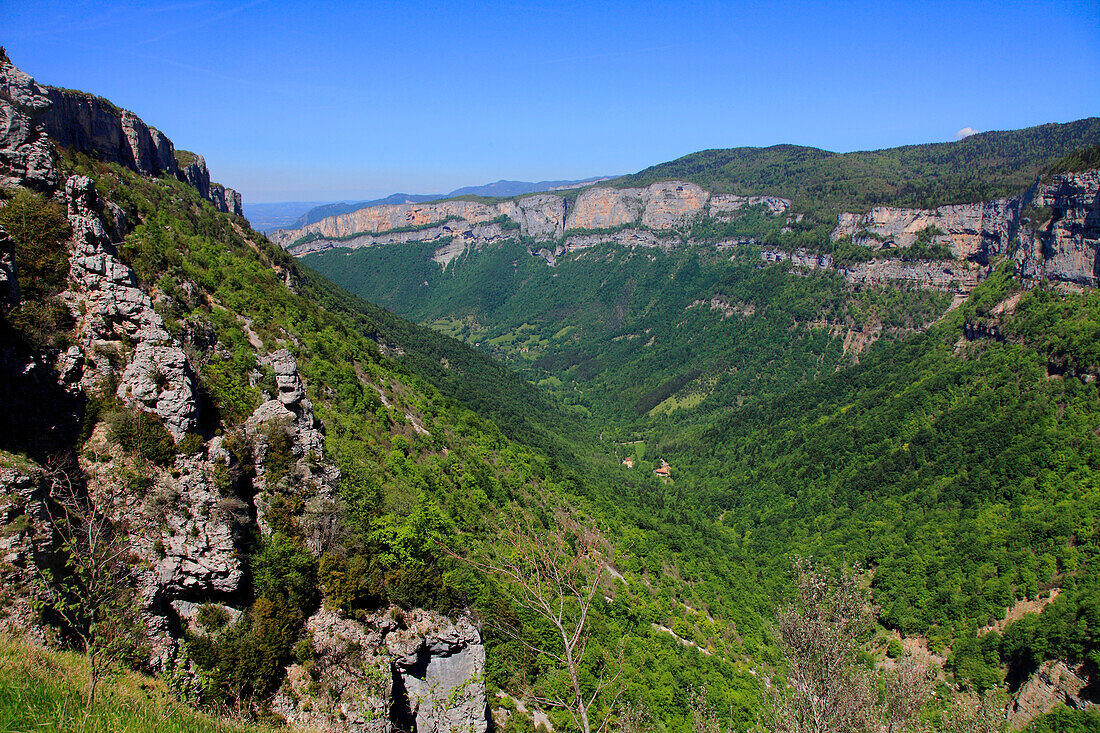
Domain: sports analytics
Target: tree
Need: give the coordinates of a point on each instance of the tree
(821, 633)
(555, 572)
(90, 590)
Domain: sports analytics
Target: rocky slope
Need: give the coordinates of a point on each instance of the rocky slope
(1052, 231)
(1061, 245)
(35, 118)
(191, 490)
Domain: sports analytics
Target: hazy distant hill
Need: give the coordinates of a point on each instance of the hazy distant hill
(267, 218)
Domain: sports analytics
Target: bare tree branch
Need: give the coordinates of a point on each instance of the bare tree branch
(555, 573)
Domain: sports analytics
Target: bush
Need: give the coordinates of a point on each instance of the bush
(212, 617)
(39, 230)
(143, 434)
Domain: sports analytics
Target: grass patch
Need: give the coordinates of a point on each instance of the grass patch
(43, 691)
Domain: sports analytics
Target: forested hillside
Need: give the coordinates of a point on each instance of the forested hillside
(297, 508)
(941, 433)
(981, 167)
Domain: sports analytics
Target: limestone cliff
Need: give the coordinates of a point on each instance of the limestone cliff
(1051, 230)
(1059, 235)
(664, 206)
(34, 119)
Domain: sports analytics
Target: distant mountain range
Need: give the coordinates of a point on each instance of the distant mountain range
(317, 212)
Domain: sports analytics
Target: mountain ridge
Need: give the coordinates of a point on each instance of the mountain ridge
(497, 189)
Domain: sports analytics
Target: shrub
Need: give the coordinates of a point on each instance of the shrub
(212, 617)
(39, 230)
(143, 434)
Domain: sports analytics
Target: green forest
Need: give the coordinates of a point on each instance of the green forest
(801, 416)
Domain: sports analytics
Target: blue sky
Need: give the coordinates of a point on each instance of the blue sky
(325, 100)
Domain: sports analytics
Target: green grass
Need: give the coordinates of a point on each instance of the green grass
(44, 691)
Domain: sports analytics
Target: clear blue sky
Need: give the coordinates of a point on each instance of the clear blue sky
(325, 100)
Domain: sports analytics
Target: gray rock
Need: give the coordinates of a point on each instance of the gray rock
(1067, 246)
(291, 415)
(159, 380)
(196, 174)
(289, 384)
(200, 536)
(164, 152)
(1054, 683)
(104, 298)
(425, 670)
(26, 532)
(725, 206)
(442, 673)
(9, 273)
(26, 158)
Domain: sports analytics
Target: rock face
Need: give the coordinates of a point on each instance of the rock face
(545, 217)
(25, 154)
(25, 531)
(1067, 246)
(1052, 231)
(109, 306)
(1054, 683)
(286, 424)
(32, 117)
(949, 275)
(724, 206)
(199, 541)
(972, 231)
(441, 671)
(390, 671)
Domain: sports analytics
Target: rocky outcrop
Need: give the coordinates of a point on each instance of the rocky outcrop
(799, 257)
(197, 174)
(541, 216)
(26, 531)
(1054, 683)
(109, 308)
(459, 232)
(971, 231)
(198, 543)
(931, 275)
(441, 673)
(90, 124)
(288, 438)
(1052, 231)
(390, 671)
(26, 158)
(33, 118)
(9, 273)
(943, 275)
(724, 206)
(1066, 246)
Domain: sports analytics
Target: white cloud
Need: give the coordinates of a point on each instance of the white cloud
(965, 132)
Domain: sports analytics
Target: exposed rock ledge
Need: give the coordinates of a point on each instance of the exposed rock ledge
(33, 116)
(945, 275)
(663, 206)
(1052, 231)
(392, 670)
